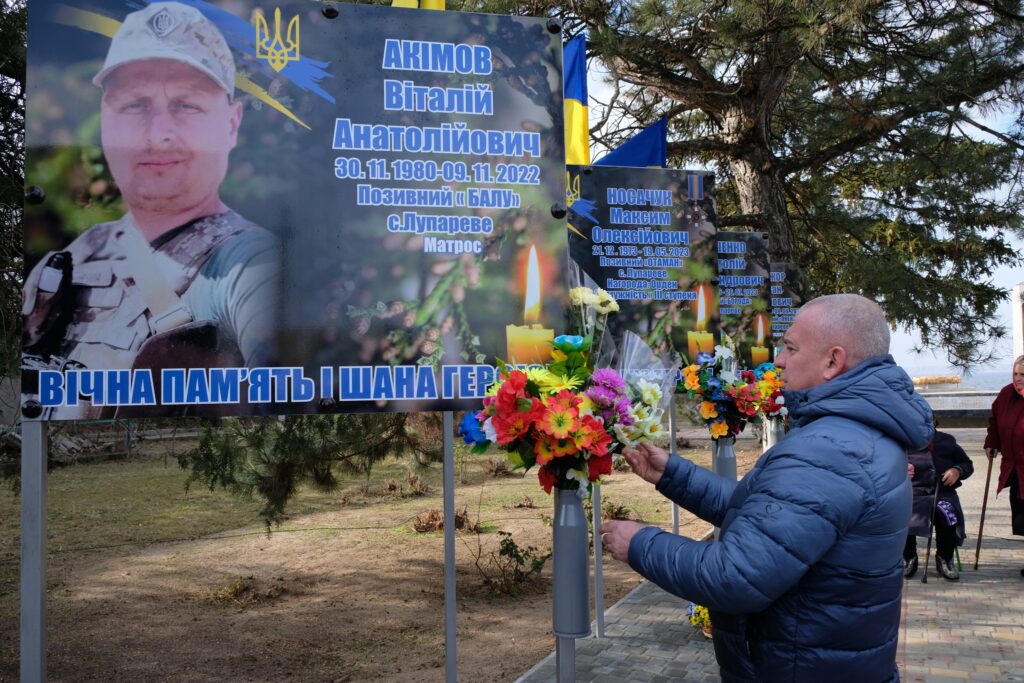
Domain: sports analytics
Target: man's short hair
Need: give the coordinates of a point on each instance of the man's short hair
(174, 31)
(853, 322)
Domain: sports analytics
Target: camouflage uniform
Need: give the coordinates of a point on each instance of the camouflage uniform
(223, 268)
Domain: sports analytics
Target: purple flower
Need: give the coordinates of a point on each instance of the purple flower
(609, 378)
(601, 396)
(622, 408)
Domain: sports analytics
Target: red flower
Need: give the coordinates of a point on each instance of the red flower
(511, 427)
(516, 380)
(601, 442)
(564, 399)
(547, 478)
(598, 465)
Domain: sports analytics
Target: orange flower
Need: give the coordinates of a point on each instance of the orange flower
(708, 410)
(542, 449)
(718, 429)
(559, 421)
(589, 428)
(562, 447)
(692, 382)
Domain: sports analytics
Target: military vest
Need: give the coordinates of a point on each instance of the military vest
(111, 314)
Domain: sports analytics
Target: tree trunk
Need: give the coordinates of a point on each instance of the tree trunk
(760, 186)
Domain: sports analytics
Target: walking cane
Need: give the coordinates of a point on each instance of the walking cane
(984, 506)
(931, 527)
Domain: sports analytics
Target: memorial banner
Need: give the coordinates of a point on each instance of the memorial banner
(647, 237)
(743, 295)
(784, 301)
(245, 208)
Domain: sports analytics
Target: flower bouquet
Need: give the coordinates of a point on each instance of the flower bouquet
(728, 401)
(699, 618)
(567, 417)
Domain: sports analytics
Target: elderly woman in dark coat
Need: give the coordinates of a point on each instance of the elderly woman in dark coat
(946, 464)
(1006, 436)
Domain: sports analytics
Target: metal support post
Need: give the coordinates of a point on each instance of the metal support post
(34, 450)
(598, 556)
(450, 667)
(672, 449)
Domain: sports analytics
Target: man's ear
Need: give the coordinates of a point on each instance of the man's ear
(835, 362)
(235, 121)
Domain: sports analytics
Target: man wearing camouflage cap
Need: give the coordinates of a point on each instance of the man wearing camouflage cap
(181, 280)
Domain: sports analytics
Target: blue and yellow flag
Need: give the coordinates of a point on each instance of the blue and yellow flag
(649, 147)
(577, 125)
(419, 4)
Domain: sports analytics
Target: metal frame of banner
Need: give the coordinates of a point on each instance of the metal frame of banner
(450, 666)
(34, 455)
(595, 513)
(672, 449)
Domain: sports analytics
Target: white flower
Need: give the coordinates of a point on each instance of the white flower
(582, 296)
(723, 352)
(606, 303)
(650, 393)
(780, 400)
(652, 429)
(489, 431)
(623, 436)
(639, 413)
(581, 477)
(727, 376)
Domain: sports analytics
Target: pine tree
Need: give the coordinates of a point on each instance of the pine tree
(851, 131)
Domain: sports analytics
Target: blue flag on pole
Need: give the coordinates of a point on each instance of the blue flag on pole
(649, 147)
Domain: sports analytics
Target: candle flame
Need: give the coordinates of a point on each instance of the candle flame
(531, 308)
(760, 330)
(702, 313)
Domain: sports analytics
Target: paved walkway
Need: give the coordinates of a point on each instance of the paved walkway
(971, 630)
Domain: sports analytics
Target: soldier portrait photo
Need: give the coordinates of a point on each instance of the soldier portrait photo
(181, 279)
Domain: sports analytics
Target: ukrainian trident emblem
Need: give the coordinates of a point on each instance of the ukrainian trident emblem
(274, 50)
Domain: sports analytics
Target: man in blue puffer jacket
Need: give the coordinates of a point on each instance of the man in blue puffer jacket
(804, 582)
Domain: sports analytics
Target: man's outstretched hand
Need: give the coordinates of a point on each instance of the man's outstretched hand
(616, 535)
(648, 461)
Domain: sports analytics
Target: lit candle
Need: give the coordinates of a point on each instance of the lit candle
(759, 352)
(699, 340)
(530, 343)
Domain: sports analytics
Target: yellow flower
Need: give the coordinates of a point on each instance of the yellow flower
(535, 375)
(558, 356)
(586, 406)
(718, 429)
(769, 375)
(550, 383)
(708, 411)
